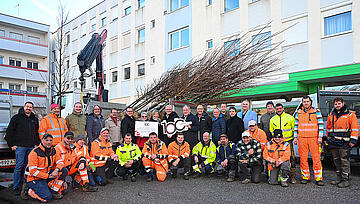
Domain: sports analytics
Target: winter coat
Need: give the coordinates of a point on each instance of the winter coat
(205, 125)
(23, 130)
(128, 126)
(190, 135)
(170, 118)
(93, 126)
(234, 129)
(218, 128)
(265, 124)
(114, 129)
(249, 115)
(76, 123)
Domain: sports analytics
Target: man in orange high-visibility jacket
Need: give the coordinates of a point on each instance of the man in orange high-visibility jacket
(308, 132)
(257, 134)
(342, 134)
(103, 158)
(179, 152)
(277, 154)
(82, 152)
(53, 124)
(44, 170)
(155, 157)
(66, 150)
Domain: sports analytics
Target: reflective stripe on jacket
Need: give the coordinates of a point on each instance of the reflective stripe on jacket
(158, 148)
(260, 136)
(176, 151)
(54, 125)
(309, 123)
(207, 151)
(274, 152)
(67, 154)
(128, 152)
(285, 122)
(343, 126)
(40, 164)
(82, 153)
(101, 151)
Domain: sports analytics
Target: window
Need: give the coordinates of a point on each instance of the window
(152, 59)
(127, 73)
(75, 33)
(233, 46)
(141, 3)
(231, 4)
(1, 60)
(14, 86)
(93, 81)
(265, 39)
(67, 64)
(179, 39)
(1, 85)
(104, 78)
(141, 69)
(209, 44)
(75, 84)
(337, 23)
(153, 23)
(15, 62)
(93, 25)
(141, 35)
(177, 4)
(2, 33)
(103, 21)
(32, 65)
(33, 39)
(83, 29)
(16, 36)
(32, 89)
(114, 76)
(114, 13)
(67, 38)
(127, 11)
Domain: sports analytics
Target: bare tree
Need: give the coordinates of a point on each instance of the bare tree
(216, 75)
(61, 73)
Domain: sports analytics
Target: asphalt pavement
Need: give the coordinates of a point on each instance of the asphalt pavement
(207, 190)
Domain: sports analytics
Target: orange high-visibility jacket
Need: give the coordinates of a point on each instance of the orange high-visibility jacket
(67, 154)
(345, 127)
(39, 164)
(82, 153)
(260, 136)
(276, 152)
(158, 148)
(308, 123)
(101, 151)
(176, 151)
(54, 125)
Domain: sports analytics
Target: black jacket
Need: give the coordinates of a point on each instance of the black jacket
(205, 125)
(128, 126)
(190, 135)
(218, 128)
(23, 130)
(170, 118)
(94, 126)
(234, 129)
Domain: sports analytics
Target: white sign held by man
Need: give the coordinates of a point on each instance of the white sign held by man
(144, 128)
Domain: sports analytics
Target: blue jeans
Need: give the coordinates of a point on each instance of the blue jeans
(21, 154)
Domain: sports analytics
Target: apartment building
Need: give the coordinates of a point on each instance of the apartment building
(146, 38)
(24, 61)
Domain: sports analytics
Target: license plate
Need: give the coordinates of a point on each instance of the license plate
(7, 162)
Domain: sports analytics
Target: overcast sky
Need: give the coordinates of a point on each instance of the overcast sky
(44, 11)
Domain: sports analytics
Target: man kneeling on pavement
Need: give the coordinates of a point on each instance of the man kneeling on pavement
(277, 154)
(179, 152)
(226, 158)
(44, 170)
(204, 155)
(129, 158)
(249, 155)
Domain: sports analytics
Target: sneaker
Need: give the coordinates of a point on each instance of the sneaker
(196, 175)
(292, 180)
(57, 196)
(335, 182)
(343, 184)
(17, 191)
(89, 188)
(24, 192)
(284, 184)
(304, 181)
(246, 181)
(320, 183)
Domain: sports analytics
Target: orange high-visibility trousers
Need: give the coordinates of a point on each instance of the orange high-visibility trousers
(81, 176)
(306, 145)
(161, 168)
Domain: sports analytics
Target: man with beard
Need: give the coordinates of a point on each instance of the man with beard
(76, 122)
(234, 126)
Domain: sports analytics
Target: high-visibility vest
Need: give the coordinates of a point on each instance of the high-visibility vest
(54, 125)
(39, 164)
(284, 122)
(101, 151)
(308, 124)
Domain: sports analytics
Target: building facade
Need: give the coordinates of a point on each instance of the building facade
(320, 42)
(24, 61)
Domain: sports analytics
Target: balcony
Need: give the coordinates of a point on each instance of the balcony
(20, 97)
(14, 72)
(25, 47)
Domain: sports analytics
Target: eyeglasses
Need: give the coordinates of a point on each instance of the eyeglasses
(278, 136)
(144, 116)
(70, 138)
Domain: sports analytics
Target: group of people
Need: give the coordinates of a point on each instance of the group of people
(91, 150)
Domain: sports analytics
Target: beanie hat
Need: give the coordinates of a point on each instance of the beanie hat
(54, 105)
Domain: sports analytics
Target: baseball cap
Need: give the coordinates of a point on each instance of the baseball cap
(252, 123)
(246, 134)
